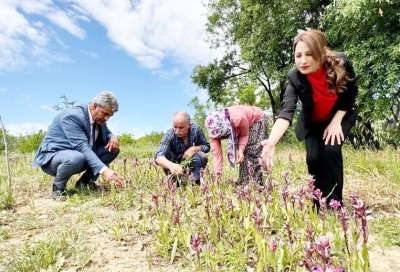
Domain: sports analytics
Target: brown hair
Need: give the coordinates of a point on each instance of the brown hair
(335, 72)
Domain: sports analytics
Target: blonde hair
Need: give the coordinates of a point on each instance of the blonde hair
(335, 72)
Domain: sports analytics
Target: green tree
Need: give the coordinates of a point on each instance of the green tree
(126, 139)
(150, 139)
(11, 141)
(368, 31)
(66, 103)
(200, 113)
(31, 142)
(257, 36)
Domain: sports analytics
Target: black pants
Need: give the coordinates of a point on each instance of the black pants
(199, 161)
(325, 162)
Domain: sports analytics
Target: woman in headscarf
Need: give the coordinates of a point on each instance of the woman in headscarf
(244, 127)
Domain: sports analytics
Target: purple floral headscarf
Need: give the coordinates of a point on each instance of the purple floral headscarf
(218, 125)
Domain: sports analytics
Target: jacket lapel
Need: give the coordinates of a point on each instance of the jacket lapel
(86, 113)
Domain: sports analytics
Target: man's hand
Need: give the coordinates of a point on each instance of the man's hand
(190, 151)
(113, 144)
(112, 177)
(176, 169)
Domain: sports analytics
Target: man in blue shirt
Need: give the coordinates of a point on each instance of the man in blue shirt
(184, 141)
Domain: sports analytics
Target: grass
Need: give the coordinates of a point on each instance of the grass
(152, 226)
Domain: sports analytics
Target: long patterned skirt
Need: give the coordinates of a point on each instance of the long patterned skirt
(251, 169)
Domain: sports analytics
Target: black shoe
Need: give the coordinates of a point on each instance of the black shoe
(60, 195)
(86, 185)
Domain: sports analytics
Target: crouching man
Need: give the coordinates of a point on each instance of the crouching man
(79, 140)
(183, 142)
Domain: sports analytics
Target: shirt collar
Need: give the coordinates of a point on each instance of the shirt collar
(90, 116)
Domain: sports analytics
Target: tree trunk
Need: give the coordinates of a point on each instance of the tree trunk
(6, 150)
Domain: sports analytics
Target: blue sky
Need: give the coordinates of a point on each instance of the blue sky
(141, 50)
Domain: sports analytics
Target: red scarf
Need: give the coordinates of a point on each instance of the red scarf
(323, 99)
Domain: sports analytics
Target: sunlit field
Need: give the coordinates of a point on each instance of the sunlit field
(151, 225)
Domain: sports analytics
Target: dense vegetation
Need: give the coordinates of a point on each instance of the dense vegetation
(257, 38)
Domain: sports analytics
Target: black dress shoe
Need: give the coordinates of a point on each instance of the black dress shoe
(86, 185)
(60, 195)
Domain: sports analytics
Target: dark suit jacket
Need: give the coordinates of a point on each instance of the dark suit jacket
(70, 130)
(300, 88)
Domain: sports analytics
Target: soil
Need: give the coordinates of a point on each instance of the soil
(136, 254)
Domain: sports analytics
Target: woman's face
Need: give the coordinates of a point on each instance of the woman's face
(303, 59)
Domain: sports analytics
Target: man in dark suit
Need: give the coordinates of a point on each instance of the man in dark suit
(79, 140)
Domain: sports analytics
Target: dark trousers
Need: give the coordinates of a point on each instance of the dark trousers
(325, 161)
(69, 162)
(198, 161)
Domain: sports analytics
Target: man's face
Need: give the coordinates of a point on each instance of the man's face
(181, 126)
(100, 114)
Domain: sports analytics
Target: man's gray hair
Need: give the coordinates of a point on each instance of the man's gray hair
(105, 99)
(182, 113)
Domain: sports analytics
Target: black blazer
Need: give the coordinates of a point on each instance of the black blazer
(300, 88)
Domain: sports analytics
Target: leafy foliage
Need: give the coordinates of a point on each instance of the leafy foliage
(31, 142)
(257, 36)
(66, 102)
(365, 31)
(126, 139)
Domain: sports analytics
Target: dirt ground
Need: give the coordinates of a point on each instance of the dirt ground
(134, 255)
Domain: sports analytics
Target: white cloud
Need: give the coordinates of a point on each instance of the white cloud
(3, 90)
(24, 42)
(63, 19)
(89, 54)
(25, 128)
(167, 74)
(47, 107)
(151, 31)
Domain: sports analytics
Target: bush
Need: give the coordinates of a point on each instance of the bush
(31, 142)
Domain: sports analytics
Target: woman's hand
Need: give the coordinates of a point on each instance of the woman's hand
(268, 153)
(239, 156)
(333, 132)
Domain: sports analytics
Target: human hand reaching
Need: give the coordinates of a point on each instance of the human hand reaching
(113, 144)
(112, 177)
(176, 169)
(239, 156)
(268, 153)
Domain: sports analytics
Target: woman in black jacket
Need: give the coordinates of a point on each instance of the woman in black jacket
(324, 81)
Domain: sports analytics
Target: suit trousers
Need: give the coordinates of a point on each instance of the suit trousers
(325, 161)
(198, 162)
(66, 163)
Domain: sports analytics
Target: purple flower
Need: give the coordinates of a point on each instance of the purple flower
(323, 248)
(272, 244)
(335, 204)
(328, 268)
(196, 243)
(318, 194)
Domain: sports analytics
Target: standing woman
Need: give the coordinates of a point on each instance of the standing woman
(244, 127)
(324, 81)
